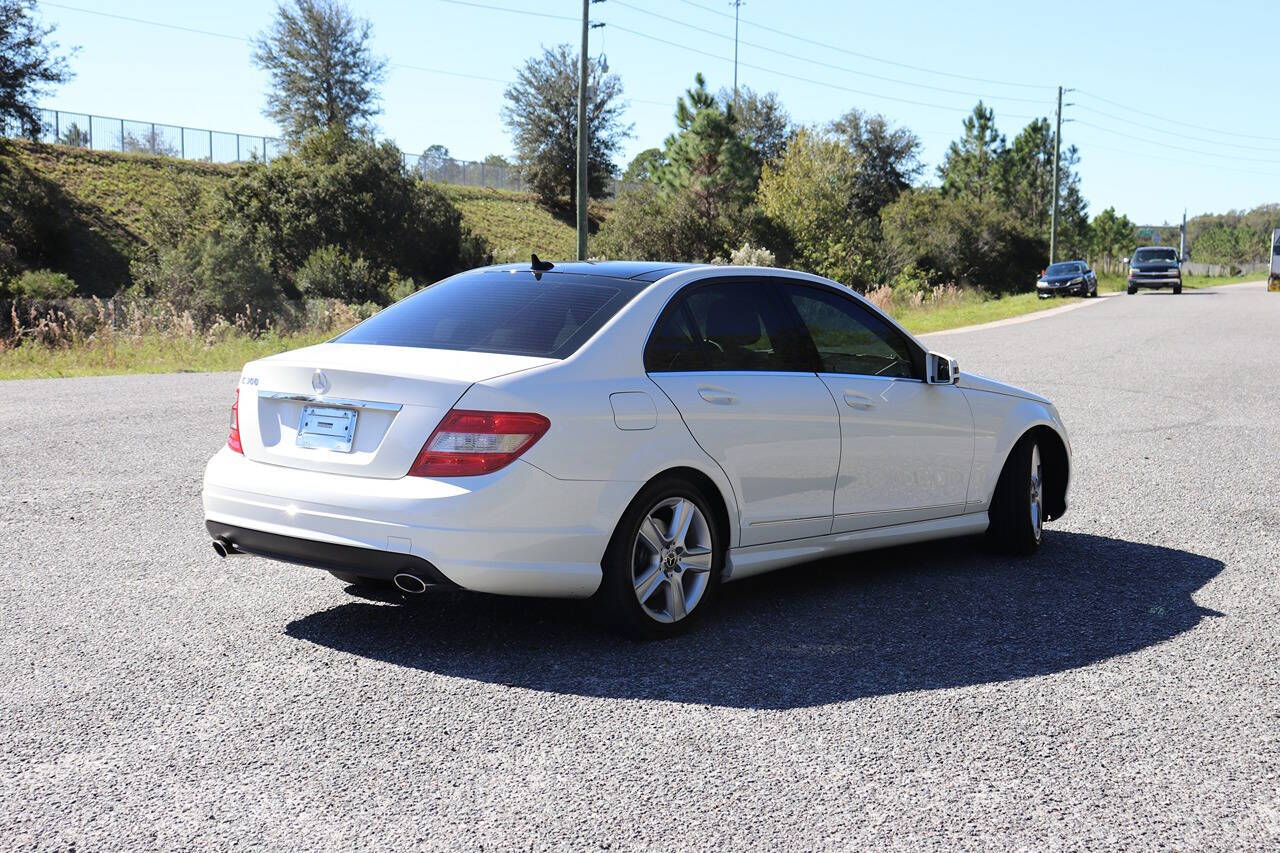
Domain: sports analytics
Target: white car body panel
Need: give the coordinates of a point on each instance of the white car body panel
(815, 480)
(776, 436)
(907, 451)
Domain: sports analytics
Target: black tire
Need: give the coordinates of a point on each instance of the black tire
(617, 604)
(1012, 529)
(1177, 288)
(1131, 291)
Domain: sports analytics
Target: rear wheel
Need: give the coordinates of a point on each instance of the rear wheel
(1177, 288)
(1131, 291)
(1017, 507)
(662, 568)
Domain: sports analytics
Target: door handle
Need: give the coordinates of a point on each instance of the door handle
(857, 400)
(717, 396)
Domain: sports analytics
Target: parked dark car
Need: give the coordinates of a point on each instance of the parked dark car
(1067, 278)
(1154, 267)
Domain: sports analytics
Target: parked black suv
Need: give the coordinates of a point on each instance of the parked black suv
(1154, 266)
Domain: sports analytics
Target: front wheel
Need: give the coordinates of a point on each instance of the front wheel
(1177, 288)
(662, 568)
(1131, 291)
(1017, 507)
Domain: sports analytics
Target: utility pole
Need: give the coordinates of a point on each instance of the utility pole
(737, 4)
(1182, 238)
(1057, 155)
(582, 133)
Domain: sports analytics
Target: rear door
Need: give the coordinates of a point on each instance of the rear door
(726, 355)
(907, 446)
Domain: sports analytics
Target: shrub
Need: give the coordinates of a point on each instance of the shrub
(330, 273)
(217, 274)
(748, 256)
(355, 195)
(42, 284)
(650, 225)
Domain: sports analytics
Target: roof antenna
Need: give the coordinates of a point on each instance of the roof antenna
(541, 266)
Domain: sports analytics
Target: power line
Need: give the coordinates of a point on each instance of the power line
(1177, 134)
(800, 58)
(1175, 147)
(1142, 155)
(1174, 121)
(823, 83)
(868, 56)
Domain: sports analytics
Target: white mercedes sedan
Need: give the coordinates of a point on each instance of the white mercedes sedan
(634, 433)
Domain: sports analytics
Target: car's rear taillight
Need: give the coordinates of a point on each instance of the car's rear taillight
(233, 437)
(468, 442)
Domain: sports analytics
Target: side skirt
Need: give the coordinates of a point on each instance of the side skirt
(758, 559)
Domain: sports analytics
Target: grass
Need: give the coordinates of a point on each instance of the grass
(149, 353)
(516, 226)
(966, 311)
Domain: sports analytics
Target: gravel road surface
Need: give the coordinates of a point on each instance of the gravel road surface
(1119, 690)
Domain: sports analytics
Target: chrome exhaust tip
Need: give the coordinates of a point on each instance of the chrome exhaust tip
(412, 584)
(223, 548)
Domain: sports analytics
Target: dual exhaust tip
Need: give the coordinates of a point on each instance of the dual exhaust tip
(404, 581)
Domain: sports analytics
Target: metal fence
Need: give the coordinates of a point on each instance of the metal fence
(104, 133)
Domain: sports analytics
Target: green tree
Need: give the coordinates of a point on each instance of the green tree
(973, 164)
(706, 158)
(541, 112)
(810, 192)
(75, 136)
(29, 64)
(643, 166)
(323, 75)
(887, 160)
(496, 160)
(763, 123)
(1111, 239)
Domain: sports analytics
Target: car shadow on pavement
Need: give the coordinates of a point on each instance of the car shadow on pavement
(927, 616)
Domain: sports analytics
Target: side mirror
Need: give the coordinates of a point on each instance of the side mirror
(941, 369)
(1124, 260)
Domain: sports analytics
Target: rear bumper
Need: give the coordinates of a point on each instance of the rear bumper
(324, 555)
(518, 531)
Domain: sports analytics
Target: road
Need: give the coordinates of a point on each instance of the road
(1119, 690)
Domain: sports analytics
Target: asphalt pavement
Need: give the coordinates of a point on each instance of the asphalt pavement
(1119, 690)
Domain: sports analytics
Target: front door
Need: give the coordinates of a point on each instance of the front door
(725, 355)
(907, 446)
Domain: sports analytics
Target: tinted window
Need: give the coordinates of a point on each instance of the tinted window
(735, 325)
(499, 311)
(849, 338)
(1155, 255)
(1063, 269)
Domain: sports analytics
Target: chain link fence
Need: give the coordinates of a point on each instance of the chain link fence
(104, 133)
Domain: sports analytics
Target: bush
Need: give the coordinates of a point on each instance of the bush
(650, 225)
(355, 197)
(961, 241)
(329, 273)
(220, 273)
(42, 284)
(748, 256)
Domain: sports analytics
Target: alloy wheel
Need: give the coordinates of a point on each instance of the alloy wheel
(671, 560)
(1037, 493)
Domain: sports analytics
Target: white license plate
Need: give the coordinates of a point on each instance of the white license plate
(328, 428)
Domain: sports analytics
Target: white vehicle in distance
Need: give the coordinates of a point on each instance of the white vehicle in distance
(636, 433)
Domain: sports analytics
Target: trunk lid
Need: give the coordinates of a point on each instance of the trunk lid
(397, 394)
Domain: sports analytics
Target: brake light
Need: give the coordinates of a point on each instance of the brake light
(233, 437)
(467, 443)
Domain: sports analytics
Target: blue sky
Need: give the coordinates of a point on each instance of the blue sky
(1203, 74)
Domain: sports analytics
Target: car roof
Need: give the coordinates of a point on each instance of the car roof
(649, 271)
(1055, 263)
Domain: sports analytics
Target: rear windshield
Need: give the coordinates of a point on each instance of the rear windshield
(1155, 255)
(503, 311)
(1062, 269)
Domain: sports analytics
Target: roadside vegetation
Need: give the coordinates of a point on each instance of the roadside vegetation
(131, 262)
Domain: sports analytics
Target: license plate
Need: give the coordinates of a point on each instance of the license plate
(328, 428)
